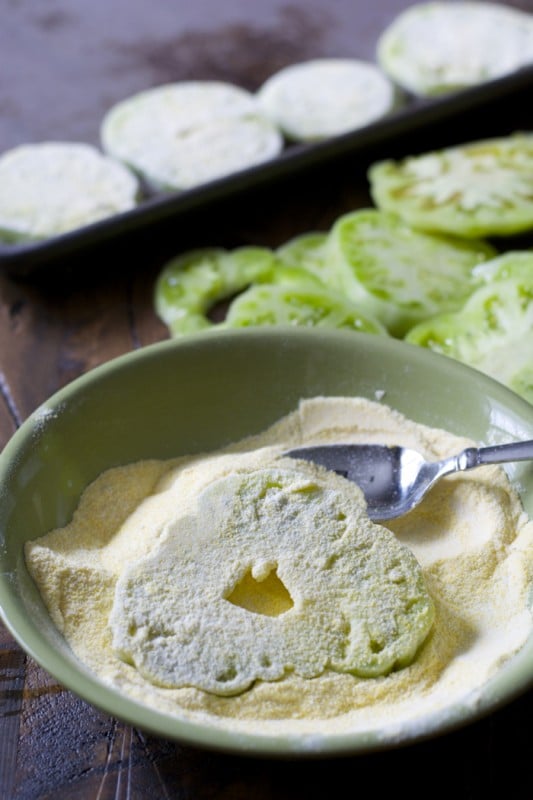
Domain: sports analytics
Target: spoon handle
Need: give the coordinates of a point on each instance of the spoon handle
(497, 454)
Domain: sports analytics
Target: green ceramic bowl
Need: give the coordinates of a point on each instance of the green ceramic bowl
(197, 394)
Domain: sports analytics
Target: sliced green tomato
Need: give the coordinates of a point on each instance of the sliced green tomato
(310, 251)
(482, 188)
(515, 264)
(493, 332)
(271, 304)
(191, 284)
(184, 134)
(400, 275)
(50, 188)
(438, 47)
(326, 97)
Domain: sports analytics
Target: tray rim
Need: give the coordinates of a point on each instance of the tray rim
(26, 258)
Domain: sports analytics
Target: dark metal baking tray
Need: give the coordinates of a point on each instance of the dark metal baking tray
(493, 109)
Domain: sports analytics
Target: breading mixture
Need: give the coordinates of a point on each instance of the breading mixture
(248, 590)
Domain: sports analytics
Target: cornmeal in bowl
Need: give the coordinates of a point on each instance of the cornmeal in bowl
(245, 590)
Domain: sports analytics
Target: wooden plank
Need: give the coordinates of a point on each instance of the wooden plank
(12, 675)
(49, 335)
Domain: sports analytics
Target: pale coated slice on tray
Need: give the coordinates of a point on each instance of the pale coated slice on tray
(181, 135)
(51, 188)
(481, 188)
(400, 275)
(439, 47)
(493, 331)
(279, 571)
(317, 99)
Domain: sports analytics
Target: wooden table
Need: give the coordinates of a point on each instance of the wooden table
(63, 65)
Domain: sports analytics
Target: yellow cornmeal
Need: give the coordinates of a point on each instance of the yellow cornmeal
(471, 538)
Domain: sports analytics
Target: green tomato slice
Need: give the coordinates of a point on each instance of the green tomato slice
(483, 188)
(191, 284)
(278, 304)
(493, 332)
(311, 252)
(400, 275)
(516, 264)
(308, 251)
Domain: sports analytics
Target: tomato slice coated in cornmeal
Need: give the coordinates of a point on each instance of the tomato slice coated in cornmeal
(184, 134)
(439, 47)
(324, 97)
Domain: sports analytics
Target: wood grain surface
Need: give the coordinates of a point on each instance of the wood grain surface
(64, 62)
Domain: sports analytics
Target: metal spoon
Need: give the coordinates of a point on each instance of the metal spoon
(395, 479)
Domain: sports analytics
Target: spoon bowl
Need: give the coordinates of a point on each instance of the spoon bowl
(396, 479)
